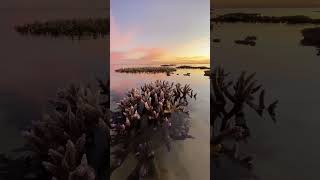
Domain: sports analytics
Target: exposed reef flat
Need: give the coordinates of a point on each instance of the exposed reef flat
(161, 69)
(192, 67)
(258, 18)
(169, 70)
(98, 27)
(311, 37)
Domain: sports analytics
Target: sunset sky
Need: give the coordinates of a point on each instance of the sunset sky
(152, 31)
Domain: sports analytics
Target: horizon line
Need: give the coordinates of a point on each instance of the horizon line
(262, 7)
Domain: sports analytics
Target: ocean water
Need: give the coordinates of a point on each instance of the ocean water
(188, 159)
(33, 68)
(289, 72)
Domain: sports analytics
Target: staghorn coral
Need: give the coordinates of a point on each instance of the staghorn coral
(145, 166)
(228, 120)
(69, 134)
(149, 117)
(21, 167)
(72, 141)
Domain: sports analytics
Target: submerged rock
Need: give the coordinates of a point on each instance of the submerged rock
(311, 37)
(207, 73)
(216, 40)
(251, 38)
(245, 42)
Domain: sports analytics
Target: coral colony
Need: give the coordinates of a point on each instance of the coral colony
(74, 135)
(72, 141)
(149, 117)
(228, 102)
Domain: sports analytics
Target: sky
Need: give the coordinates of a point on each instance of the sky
(265, 3)
(153, 31)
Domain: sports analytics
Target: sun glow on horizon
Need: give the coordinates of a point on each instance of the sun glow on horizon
(179, 38)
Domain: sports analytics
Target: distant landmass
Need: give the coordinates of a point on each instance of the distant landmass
(258, 18)
(98, 27)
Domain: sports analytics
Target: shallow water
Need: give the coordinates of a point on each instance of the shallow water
(188, 159)
(33, 68)
(290, 73)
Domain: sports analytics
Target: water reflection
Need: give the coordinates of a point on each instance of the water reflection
(188, 159)
(33, 68)
(291, 72)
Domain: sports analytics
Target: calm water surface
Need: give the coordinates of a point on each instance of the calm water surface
(33, 68)
(289, 72)
(189, 159)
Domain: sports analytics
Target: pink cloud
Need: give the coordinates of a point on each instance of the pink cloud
(117, 55)
(139, 54)
(118, 38)
(150, 53)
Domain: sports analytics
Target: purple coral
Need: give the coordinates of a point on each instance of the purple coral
(156, 109)
(62, 138)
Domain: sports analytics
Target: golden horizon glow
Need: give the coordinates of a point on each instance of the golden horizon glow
(136, 37)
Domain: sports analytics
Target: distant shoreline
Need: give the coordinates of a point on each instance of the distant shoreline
(258, 18)
(86, 27)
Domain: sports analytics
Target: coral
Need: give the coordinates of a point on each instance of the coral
(228, 120)
(73, 140)
(21, 167)
(149, 117)
(69, 134)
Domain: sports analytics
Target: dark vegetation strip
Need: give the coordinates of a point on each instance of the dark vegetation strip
(162, 69)
(98, 27)
(193, 67)
(258, 18)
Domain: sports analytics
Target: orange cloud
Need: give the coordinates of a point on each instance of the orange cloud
(150, 53)
(193, 60)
